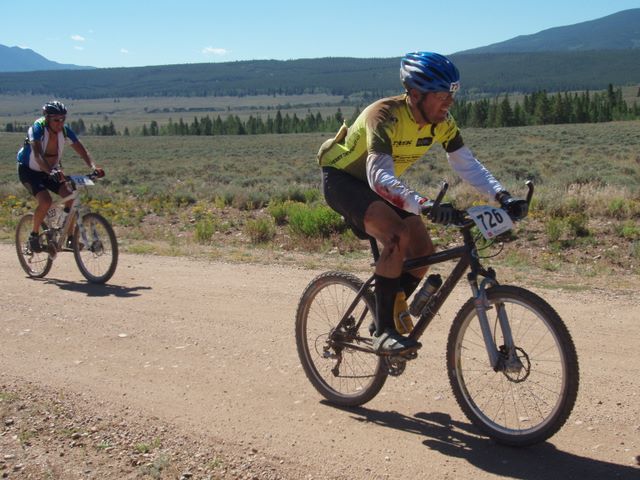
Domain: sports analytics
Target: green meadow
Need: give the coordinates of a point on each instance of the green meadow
(256, 197)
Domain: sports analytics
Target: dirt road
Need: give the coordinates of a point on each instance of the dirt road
(208, 348)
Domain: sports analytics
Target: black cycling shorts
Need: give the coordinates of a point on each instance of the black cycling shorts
(351, 197)
(36, 182)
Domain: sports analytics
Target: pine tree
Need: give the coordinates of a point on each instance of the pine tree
(505, 114)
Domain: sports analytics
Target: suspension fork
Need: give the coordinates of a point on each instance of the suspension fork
(481, 303)
(81, 211)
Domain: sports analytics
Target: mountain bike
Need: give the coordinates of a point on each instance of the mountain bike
(93, 241)
(511, 361)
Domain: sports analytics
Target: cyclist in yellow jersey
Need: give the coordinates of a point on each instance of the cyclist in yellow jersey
(360, 169)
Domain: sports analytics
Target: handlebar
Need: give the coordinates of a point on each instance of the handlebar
(62, 177)
(461, 219)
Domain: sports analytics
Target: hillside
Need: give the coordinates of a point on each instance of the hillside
(619, 31)
(586, 56)
(482, 73)
(16, 59)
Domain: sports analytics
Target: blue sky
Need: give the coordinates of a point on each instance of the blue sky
(126, 33)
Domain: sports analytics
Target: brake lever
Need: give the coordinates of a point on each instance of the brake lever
(443, 190)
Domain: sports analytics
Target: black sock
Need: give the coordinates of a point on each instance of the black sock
(385, 293)
(409, 283)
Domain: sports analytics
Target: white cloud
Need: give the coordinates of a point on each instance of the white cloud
(124, 50)
(214, 51)
(77, 38)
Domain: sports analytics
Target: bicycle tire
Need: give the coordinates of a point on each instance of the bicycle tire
(35, 264)
(344, 376)
(98, 258)
(516, 409)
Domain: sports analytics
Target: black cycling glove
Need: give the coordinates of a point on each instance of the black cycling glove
(517, 208)
(443, 213)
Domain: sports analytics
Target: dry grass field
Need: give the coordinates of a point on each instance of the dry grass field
(134, 112)
(235, 196)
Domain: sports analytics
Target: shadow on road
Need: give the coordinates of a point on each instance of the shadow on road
(458, 439)
(97, 290)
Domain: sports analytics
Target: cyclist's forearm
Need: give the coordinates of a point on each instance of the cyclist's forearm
(473, 172)
(382, 180)
(84, 154)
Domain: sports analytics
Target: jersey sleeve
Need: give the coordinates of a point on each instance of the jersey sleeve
(36, 132)
(70, 135)
(473, 172)
(382, 180)
(379, 134)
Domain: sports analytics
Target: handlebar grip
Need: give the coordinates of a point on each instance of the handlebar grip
(529, 185)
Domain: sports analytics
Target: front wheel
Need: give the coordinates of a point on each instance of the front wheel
(95, 248)
(36, 264)
(337, 356)
(524, 402)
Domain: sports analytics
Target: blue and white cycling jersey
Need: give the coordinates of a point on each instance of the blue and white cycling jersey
(39, 132)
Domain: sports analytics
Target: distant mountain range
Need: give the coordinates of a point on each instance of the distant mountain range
(619, 31)
(16, 59)
(614, 32)
(585, 56)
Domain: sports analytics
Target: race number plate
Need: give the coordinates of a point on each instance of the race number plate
(491, 221)
(81, 180)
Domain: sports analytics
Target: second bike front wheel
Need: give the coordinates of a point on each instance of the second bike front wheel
(330, 355)
(96, 252)
(526, 403)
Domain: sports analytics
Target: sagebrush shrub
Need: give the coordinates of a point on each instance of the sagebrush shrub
(260, 230)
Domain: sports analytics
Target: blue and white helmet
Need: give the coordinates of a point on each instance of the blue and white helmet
(429, 72)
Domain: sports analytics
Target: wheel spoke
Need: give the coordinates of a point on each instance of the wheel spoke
(520, 406)
(348, 376)
(95, 248)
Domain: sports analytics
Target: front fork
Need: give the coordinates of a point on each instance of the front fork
(88, 237)
(501, 358)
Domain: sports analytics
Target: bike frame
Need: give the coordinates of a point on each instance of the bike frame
(74, 213)
(468, 258)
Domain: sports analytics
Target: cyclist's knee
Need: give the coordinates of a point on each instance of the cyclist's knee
(397, 238)
(420, 246)
(45, 202)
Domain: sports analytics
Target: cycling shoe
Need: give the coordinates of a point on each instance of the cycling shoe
(391, 342)
(34, 244)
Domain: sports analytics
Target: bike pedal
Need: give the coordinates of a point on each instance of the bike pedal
(411, 355)
(408, 354)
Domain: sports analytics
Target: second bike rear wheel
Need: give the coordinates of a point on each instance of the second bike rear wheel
(96, 253)
(344, 375)
(36, 264)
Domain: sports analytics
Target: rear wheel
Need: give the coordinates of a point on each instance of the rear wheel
(95, 248)
(337, 359)
(36, 264)
(531, 395)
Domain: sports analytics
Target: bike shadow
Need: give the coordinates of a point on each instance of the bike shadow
(97, 289)
(458, 439)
